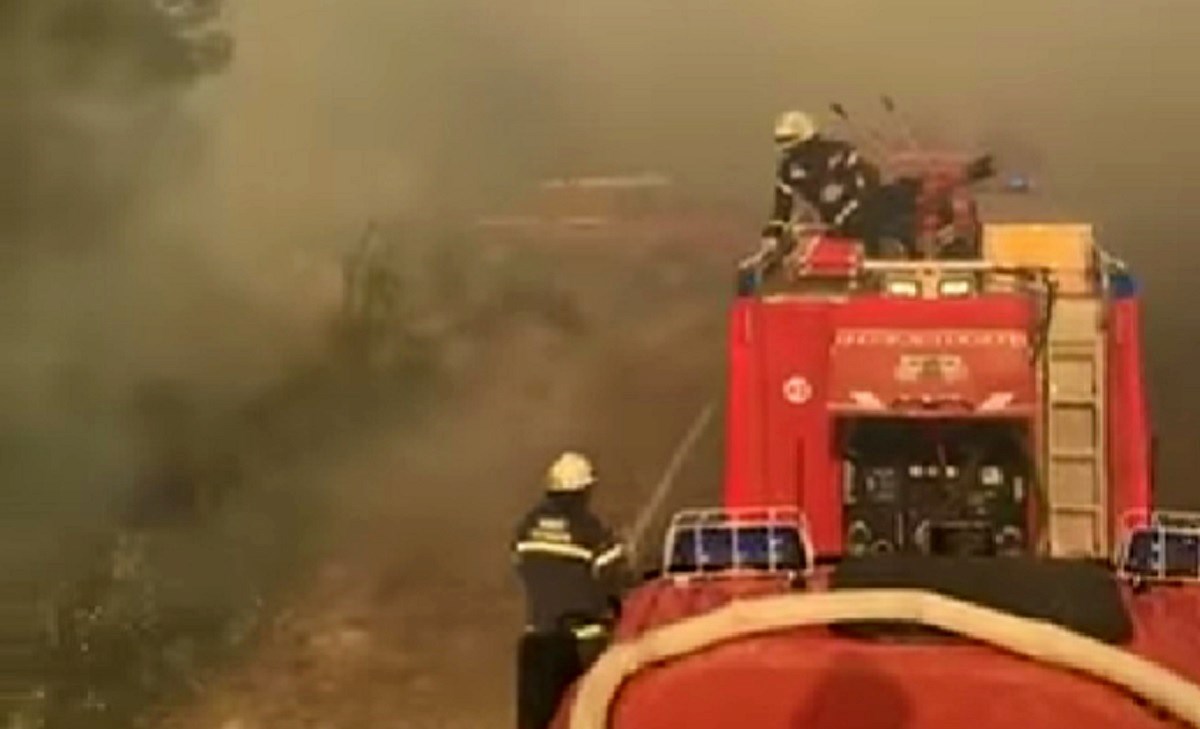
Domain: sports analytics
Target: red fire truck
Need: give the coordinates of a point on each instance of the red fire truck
(900, 403)
(938, 506)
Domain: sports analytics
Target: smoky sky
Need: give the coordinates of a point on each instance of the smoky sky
(377, 102)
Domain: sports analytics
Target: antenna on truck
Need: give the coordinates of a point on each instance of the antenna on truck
(871, 137)
(889, 105)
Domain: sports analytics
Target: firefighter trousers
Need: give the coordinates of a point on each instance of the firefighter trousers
(547, 664)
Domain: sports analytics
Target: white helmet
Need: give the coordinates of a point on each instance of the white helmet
(792, 127)
(571, 472)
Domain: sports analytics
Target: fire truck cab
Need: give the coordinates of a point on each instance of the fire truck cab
(989, 405)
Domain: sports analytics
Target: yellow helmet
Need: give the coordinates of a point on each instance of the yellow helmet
(571, 472)
(792, 127)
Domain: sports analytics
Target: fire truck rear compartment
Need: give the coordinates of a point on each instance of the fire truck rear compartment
(935, 486)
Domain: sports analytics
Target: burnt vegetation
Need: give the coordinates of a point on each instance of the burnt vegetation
(219, 518)
(83, 80)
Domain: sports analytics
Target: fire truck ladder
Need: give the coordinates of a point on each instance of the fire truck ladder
(1076, 488)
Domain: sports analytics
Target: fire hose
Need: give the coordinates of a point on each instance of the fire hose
(666, 481)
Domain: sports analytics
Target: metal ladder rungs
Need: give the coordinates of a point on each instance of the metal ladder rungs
(1076, 401)
(1077, 508)
(1075, 370)
(1071, 350)
(1079, 454)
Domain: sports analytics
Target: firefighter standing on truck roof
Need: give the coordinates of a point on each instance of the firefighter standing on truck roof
(840, 185)
(828, 174)
(573, 569)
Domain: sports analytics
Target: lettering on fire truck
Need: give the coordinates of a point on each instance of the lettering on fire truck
(933, 338)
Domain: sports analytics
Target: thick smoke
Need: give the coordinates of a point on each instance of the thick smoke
(90, 135)
(170, 255)
(451, 107)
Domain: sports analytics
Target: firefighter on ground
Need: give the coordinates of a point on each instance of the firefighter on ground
(573, 569)
(834, 179)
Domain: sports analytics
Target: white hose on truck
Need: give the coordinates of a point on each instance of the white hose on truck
(1039, 640)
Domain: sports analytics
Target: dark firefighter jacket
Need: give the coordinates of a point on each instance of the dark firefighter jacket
(831, 176)
(572, 566)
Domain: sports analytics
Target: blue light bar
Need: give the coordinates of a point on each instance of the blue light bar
(1165, 549)
(721, 541)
